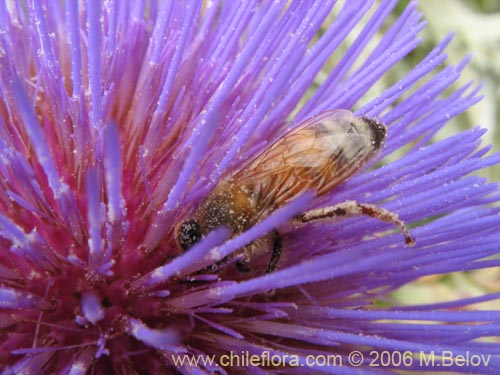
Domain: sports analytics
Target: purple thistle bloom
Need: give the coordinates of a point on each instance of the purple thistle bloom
(117, 119)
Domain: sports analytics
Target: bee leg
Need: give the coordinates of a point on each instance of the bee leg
(277, 248)
(353, 208)
(243, 267)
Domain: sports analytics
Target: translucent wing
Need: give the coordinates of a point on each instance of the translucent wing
(317, 155)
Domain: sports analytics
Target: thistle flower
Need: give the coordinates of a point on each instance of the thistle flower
(118, 118)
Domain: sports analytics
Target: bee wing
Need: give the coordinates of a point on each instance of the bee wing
(317, 155)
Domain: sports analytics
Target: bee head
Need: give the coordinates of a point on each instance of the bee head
(189, 234)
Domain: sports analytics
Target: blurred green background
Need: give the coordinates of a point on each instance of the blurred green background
(476, 25)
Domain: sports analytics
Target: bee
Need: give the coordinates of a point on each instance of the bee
(318, 155)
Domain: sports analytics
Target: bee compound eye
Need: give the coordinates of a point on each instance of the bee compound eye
(188, 234)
